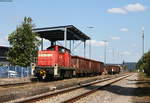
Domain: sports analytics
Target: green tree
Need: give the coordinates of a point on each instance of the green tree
(144, 63)
(24, 44)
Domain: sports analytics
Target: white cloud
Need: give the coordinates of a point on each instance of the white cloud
(115, 38)
(126, 53)
(117, 11)
(124, 30)
(135, 7)
(97, 43)
(128, 8)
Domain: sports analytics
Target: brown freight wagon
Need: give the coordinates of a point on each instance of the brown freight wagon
(112, 69)
(86, 67)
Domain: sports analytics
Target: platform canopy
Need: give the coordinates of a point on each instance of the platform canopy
(59, 33)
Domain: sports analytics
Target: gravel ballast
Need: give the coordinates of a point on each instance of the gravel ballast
(16, 92)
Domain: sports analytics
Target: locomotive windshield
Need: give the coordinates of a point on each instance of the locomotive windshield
(63, 50)
(59, 48)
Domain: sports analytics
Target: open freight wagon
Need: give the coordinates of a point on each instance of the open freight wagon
(86, 67)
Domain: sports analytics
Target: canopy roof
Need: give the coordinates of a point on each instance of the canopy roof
(57, 33)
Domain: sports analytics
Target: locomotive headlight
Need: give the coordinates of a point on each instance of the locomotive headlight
(42, 72)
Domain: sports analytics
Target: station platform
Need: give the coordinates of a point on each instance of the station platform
(9, 81)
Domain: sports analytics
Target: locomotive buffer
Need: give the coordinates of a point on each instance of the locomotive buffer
(55, 61)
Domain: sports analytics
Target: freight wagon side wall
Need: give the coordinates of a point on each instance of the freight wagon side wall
(88, 66)
(81, 65)
(112, 68)
(102, 68)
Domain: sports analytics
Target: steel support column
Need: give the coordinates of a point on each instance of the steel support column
(53, 43)
(42, 44)
(70, 45)
(90, 49)
(65, 37)
(84, 48)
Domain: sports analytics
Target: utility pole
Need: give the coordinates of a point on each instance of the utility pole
(118, 54)
(90, 46)
(105, 41)
(142, 40)
(113, 56)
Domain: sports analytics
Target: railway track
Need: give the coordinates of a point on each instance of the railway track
(72, 94)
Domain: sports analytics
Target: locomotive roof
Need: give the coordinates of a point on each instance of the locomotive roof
(57, 33)
(59, 46)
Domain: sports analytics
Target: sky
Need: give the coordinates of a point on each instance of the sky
(120, 22)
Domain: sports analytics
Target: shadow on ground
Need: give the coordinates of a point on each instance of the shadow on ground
(125, 91)
(128, 91)
(138, 94)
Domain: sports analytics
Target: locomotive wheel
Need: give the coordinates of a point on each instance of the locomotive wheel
(39, 78)
(66, 74)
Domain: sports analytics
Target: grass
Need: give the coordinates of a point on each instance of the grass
(143, 88)
(143, 76)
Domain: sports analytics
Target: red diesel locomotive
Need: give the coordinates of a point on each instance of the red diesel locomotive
(57, 61)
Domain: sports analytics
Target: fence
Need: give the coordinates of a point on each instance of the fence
(14, 71)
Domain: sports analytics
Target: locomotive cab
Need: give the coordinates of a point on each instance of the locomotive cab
(55, 61)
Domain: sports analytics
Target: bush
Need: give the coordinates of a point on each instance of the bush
(144, 63)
